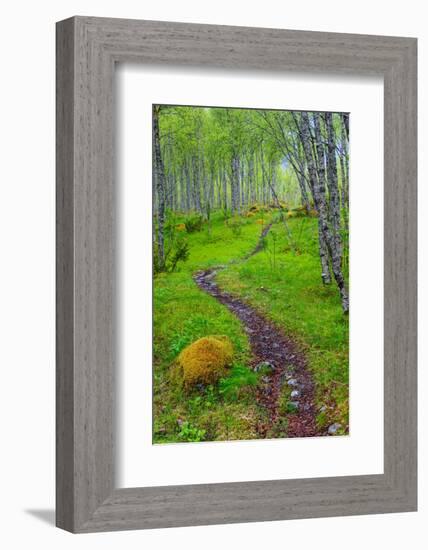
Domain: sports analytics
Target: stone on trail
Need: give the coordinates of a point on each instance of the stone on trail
(264, 365)
(333, 428)
(284, 365)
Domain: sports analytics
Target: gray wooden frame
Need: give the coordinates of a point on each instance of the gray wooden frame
(87, 50)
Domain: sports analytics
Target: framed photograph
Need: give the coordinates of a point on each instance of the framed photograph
(236, 274)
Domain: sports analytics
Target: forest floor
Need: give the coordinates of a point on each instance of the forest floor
(276, 312)
(283, 361)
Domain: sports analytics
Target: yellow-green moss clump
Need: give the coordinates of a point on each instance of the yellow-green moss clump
(205, 360)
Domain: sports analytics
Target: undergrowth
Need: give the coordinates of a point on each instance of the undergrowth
(283, 281)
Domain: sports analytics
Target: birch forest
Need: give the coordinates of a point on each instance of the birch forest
(250, 264)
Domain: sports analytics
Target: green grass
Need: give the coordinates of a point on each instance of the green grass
(294, 297)
(290, 293)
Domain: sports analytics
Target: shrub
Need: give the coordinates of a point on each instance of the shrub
(299, 212)
(235, 225)
(191, 433)
(226, 214)
(193, 223)
(205, 360)
(180, 227)
(177, 251)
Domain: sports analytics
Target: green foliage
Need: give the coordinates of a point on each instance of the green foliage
(192, 329)
(292, 296)
(227, 214)
(270, 248)
(193, 223)
(177, 251)
(239, 377)
(235, 224)
(176, 246)
(190, 433)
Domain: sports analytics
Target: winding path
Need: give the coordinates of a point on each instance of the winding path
(287, 365)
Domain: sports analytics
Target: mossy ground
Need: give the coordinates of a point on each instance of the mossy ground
(284, 283)
(205, 361)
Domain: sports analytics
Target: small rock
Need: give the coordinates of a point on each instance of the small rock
(292, 382)
(264, 365)
(295, 393)
(179, 422)
(333, 428)
(323, 409)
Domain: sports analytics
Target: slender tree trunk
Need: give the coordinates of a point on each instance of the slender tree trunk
(196, 185)
(160, 186)
(264, 178)
(154, 185)
(345, 118)
(225, 198)
(234, 181)
(274, 192)
(319, 195)
(181, 195)
(323, 249)
(303, 191)
(242, 181)
(336, 252)
(252, 198)
(344, 166)
(324, 255)
(343, 191)
(238, 184)
(283, 218)
(188, 186)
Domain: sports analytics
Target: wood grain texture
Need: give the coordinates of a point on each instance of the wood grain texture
(87, 50)
(64, 276)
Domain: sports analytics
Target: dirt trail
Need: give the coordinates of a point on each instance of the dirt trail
(287, 365)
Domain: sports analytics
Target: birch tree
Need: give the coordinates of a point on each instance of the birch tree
(159, 177)
(336, 241)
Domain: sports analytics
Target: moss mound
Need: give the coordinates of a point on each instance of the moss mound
(205, 360)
